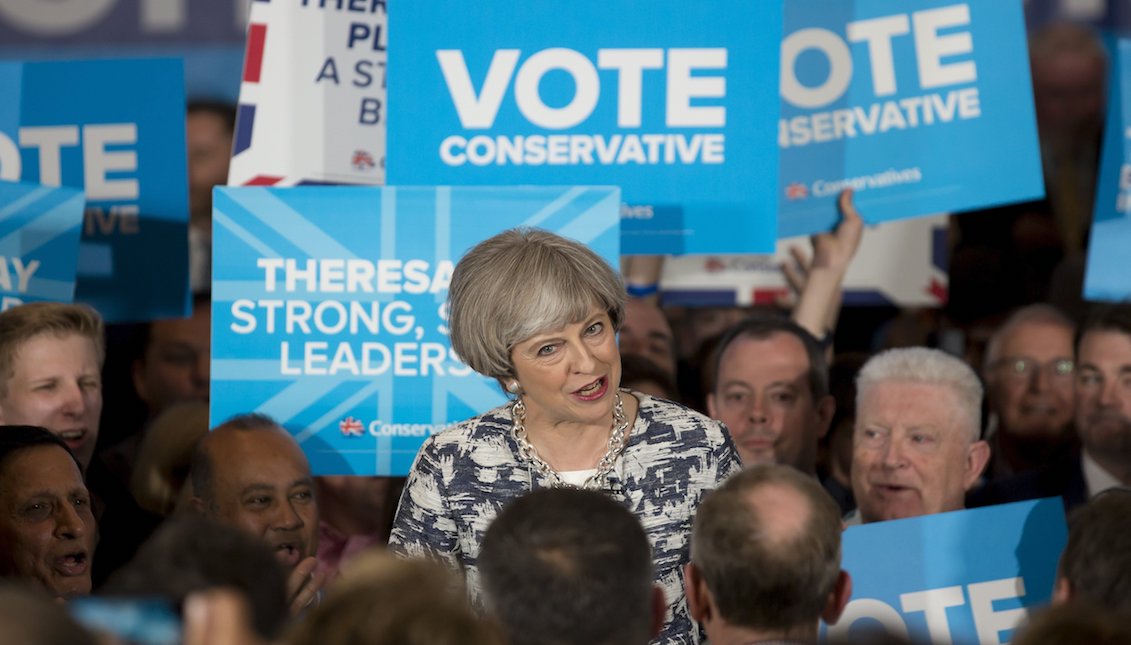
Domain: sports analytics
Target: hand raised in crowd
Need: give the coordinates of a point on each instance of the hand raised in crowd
(818, 281)
(832, 250)
(835, 249)
(303, 585)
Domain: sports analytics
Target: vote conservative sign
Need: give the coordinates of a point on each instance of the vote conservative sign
(962, 578)
(1106, 276)
(115, 129)
(329, 308)
(921, 108)
(39, 242)
(673, 101)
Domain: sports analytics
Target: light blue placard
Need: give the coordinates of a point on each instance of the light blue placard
(1107, 276)
(673, 101)
(962, 577)
(39, 242)
(373, 421)
(115, 128)
(922, 108)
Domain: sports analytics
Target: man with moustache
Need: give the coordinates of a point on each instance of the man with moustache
(252, 474)
(47, 529)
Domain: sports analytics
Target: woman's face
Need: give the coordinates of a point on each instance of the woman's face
(570, 374)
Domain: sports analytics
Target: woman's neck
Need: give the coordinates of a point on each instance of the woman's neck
(568, 445)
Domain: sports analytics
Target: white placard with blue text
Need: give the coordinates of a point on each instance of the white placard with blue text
(39, 242)
(312, 96)
(963, 577)
(673, 101)
(921, 107)
(1106, 276)
(329, 308)
(116, 129)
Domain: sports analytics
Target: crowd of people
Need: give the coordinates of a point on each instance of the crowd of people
(658, 474)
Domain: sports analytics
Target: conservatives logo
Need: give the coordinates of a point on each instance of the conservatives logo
(796, 190)
(351, 427)
(362, 160)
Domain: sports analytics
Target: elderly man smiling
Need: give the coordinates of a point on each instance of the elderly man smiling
(916, 449)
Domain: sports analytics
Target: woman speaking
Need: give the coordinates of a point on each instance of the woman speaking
(540, 313)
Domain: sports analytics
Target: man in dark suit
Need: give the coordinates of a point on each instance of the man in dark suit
(1103, 420)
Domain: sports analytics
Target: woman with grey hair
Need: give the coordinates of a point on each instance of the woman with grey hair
(540, 313)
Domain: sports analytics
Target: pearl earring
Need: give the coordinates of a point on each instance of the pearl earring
(513, 387)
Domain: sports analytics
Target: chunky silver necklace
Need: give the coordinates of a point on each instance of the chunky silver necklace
(617, 440)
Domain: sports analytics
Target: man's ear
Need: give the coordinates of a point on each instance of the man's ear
(977, 456)
(838, 599)
(826, 409)
(659, 610)
(1061, 591)
(695, 589)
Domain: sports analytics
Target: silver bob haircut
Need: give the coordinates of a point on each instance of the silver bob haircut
(520, 283)
(924, 366)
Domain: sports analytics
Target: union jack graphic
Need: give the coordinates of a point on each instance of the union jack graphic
(796, 190)
(351, 427)
(362, 160)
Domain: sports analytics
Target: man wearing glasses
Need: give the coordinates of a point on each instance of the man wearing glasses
(1029, 379)
(1102, 419)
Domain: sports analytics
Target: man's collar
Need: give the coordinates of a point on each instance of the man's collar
(1096, 478)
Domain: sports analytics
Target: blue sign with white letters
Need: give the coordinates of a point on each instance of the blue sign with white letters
(921, 108)
(675, 102)
(961, 577)
(1106, 276)
(330, 308)
(39, 242)
(116, 129)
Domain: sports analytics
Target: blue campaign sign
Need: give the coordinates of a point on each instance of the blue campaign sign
(921, 108)
(961, 577)
(673, 101)
(116, 129)
(329, 308)
(39, 242)
(1106, 276)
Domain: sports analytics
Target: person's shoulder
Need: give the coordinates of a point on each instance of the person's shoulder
(483, 441)
(492, 423)
(1062, 477)
(669, 419)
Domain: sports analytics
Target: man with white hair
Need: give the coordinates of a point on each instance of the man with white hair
(916, 447)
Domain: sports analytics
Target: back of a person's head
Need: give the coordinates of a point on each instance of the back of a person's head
(568, 566)
(1096, 563)
(29, 617)
(191, 553)
(767, 545)
(14, 439)
(1075, 623)
(161, 467)
(384, 600)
